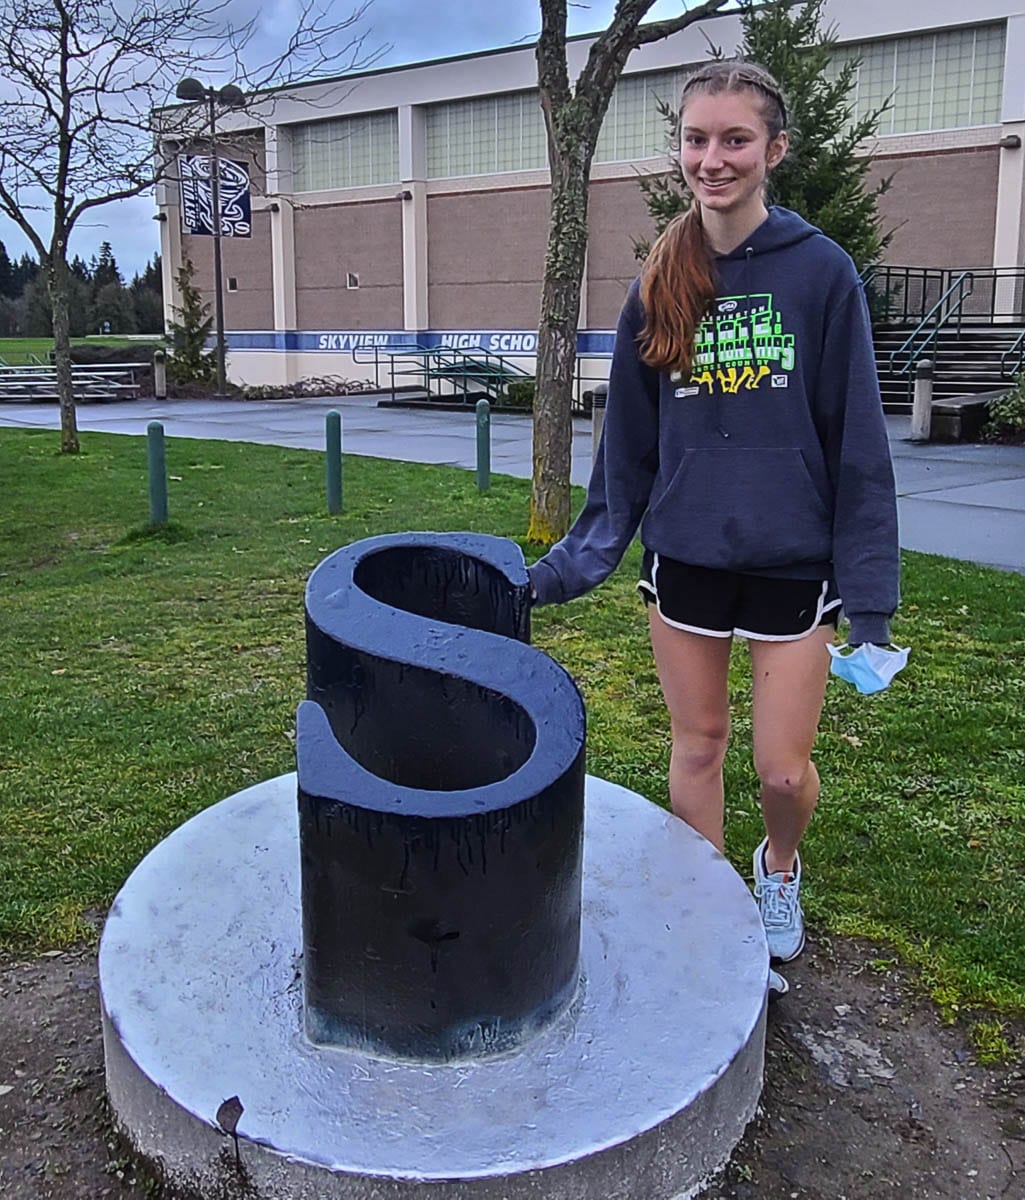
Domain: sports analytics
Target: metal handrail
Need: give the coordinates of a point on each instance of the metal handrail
(413, 348)
(459, 366)
(1017, 348)
(963, 284)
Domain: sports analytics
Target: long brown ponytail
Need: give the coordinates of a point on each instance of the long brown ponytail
(678, 283)
(679, 280)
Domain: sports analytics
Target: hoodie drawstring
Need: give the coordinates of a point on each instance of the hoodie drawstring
(720, 414)
(749, 253)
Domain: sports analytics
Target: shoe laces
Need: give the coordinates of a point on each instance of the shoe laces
(778, 899)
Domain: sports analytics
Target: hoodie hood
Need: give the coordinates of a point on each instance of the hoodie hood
(781, 228)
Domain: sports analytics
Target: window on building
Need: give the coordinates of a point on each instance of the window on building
(485, 136)
(346, 152)
(946, 80)
(635, 125)
(492, 134)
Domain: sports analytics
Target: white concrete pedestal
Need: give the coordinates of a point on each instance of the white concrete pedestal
(641, 1089)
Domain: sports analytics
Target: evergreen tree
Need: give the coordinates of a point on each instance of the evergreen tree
(824, 177)
(37, 315)
(38, 308)
(25, 270)
(9, 314)
(152, 275)
(113, 310)
(149, 310)
(147, 294)
(6, 274)
(105, 269)
(80, 268)
(190, 361)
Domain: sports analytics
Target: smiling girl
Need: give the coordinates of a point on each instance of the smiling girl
(744, 436)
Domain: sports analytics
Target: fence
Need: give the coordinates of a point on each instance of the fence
(905, 295)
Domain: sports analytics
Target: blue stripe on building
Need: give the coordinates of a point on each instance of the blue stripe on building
(590, 343)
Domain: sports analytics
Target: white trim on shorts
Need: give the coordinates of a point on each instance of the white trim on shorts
(820, 610)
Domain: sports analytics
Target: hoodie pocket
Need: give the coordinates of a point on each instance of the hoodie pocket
(740, 508)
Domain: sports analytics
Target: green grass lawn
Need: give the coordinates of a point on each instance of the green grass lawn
(17, 352)
(143, 677)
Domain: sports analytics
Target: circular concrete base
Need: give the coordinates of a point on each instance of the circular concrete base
(641, 1089)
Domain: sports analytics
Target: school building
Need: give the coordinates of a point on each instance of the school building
(409, 205)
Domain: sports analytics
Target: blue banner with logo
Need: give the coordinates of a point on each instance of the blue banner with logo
(197, 199)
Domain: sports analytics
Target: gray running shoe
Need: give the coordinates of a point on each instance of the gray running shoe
(778, 986)
(779, 902)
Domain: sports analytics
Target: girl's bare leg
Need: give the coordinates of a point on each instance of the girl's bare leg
(692, 669)
(789, 686)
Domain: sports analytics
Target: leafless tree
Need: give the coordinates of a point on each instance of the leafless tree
(81, 80)
(573, 118)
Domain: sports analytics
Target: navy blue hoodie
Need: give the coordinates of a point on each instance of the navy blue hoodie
(772, 458)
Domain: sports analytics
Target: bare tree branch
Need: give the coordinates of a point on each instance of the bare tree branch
(655, 31)
(80, 82)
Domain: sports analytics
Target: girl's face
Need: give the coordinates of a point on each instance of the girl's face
(725, 150)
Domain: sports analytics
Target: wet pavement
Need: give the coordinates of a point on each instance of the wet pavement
(962, 500)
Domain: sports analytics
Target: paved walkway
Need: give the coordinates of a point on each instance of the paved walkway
(964, 501)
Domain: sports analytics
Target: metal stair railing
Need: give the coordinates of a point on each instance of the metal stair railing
(1014, 353)
(483, 369)
(899, 295)
(466, 370)
(940, 315)
(378, 357)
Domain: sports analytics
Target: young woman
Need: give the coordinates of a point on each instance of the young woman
(744, 435)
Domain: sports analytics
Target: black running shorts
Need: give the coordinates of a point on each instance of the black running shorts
(722, 603)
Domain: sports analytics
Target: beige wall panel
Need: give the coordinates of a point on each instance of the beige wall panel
(486, 254)
(604, 300)
(332, 240)
(248, 262)
(944, 208)
(617, 215)
(1021, 236)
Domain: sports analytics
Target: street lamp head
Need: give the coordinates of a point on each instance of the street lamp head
(231, 96)
(190, 89)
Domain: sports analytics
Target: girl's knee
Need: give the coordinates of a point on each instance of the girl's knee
(700, 752)
(785, 778)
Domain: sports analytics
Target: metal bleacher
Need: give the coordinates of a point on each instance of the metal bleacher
(36, 383)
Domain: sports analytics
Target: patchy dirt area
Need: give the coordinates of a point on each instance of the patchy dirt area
(868, 1096)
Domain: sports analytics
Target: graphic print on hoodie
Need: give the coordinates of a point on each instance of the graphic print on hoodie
(737, 345)
(772, 458)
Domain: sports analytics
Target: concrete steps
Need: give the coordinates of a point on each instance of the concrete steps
(967, 362)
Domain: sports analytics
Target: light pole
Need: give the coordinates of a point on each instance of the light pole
(231, 97)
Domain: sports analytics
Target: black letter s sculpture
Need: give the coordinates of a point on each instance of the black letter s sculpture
(441, 795)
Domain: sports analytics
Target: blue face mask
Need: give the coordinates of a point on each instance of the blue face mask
(870, 668)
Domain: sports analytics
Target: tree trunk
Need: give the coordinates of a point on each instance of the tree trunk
(57, 281)
(557, 346)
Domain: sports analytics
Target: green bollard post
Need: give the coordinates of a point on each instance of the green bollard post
(483, 445)
(156, 463)
(334, 461)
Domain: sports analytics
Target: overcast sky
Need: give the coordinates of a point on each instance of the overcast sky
(410, 30)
